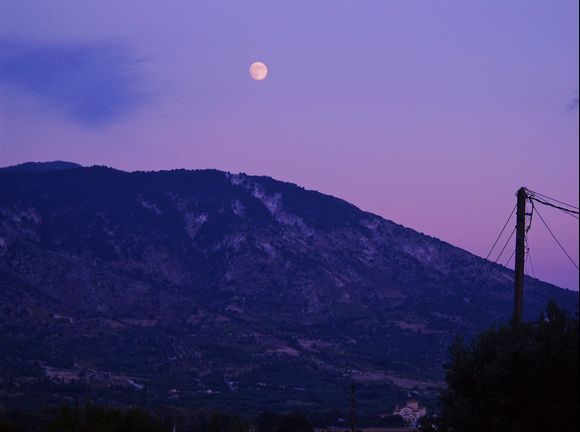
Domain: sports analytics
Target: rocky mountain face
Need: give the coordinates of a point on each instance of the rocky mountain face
(205, 288)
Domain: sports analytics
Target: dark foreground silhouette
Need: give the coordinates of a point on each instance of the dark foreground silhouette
(515, 378)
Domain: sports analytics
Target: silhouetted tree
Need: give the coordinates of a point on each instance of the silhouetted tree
(515, 378)
(295, 422)
(427, 424)
(99, 419)
(6, 424)
(227, 423)
(268, 422)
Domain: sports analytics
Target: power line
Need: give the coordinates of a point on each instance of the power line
(486, 295)
(482, 263)
(510, 258)
(491, 268)
(552, 199)
(504, 246)
(528, 247)
(529, 254)
(557, 241)
(568, 211)
(532, 197)
(571, 215)
(500, 233)
(527, 228)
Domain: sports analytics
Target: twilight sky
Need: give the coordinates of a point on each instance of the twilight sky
(429, 113)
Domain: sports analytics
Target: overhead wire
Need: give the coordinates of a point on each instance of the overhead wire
(510, 258)
(482, 263)
(527, 228)
(526, 238)
(532, 197)
(571, 215)
(529, 255)
(491, 268)
(552, 199)
(565, 210)
(557, 241)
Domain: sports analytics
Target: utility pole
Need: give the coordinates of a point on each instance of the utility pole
(352, 408)
(520, 255)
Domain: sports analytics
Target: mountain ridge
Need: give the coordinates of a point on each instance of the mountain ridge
(42, 167)
(39, 167)
(149, 277)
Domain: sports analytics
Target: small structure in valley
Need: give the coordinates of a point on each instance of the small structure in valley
(411, 412)
(173, 394)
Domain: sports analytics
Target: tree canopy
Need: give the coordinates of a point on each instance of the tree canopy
(273, 422)
(515, 378)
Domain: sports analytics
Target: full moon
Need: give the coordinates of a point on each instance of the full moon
(258, 71)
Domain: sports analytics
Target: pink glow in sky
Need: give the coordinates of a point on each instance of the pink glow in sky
(428, 113)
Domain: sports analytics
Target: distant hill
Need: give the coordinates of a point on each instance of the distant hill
(39, 167)
(206, 288)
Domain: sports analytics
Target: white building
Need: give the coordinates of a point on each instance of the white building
(411, 412)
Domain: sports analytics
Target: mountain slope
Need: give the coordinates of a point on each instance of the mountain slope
(39, 167)
(240, 292)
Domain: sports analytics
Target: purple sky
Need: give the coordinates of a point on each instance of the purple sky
(429, 113)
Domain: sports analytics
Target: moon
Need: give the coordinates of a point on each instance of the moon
(258, 71)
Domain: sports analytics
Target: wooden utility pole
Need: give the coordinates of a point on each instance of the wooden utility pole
(352, 408)
(520, 255)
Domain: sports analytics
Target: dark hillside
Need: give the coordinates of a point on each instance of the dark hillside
(240, 292)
